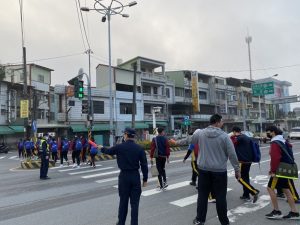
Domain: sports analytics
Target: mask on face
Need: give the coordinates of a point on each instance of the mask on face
(269, 135)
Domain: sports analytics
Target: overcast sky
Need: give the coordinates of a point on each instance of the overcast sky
(203, 35)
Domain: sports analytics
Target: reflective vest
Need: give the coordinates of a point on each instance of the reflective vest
(41, 146)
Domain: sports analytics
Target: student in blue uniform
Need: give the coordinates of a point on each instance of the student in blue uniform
(130, 157)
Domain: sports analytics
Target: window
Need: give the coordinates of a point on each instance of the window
(147, 108)
(3, 110)
(188, 93)
(147, 89)
(202, 95)
(98, 107)
(168, 92)
(41, 114)
(41, 78)
(52, 115)
(220, 95)
(52, 99)
(179, 92)
(155, 90)
(126, 108)
(71, 103)
(127, 88)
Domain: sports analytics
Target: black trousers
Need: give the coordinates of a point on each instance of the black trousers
(76, 155)
(215, 182)
(129, 188)
(245, 180)
(63, 155)
(44, 166)
(93, 155)
(54, 156)
(160, 165)
(194, 171)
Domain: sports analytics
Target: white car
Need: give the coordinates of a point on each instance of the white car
(294, 133)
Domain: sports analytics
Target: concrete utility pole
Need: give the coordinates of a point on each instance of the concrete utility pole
(134, 96)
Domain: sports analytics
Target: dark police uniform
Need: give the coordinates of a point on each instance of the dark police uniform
(130, 156)
(44, 153)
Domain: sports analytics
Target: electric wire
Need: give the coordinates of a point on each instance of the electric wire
(83, 25)
(82, 37)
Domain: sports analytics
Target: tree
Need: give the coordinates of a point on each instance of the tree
(2, 72)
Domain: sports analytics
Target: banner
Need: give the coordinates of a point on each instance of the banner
(24, 109)
(195, 92)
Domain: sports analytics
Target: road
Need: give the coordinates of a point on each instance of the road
(88, 196)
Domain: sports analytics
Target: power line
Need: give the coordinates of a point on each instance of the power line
(80, 25)
(87, 40)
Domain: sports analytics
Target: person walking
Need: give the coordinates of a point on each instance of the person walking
(215, 150)
(28, 148)
(85, 144)
(77, 148)
(54, 150)
(130, 157)
(193, 150)
(44, 150)
(160, 144)
(243, 149)
(93, 153)
(279, 153)
(21, 148)
(64, 151)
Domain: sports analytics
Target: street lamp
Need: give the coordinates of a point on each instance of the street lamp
(114, 8)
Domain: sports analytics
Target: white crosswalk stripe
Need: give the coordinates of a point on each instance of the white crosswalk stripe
(149, 181)
(72, 169)
(188, 200)
(13, 157)
(101, 174)
(2, 157)
(91, 171)
(170, 187)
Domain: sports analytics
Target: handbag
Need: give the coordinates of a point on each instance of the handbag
(155, 155)
(286, 170)
(154, 171)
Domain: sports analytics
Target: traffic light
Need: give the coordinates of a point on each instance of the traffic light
(85, 107)
(78, 88)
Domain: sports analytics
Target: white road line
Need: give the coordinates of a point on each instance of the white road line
(106, 180)
(72, 169)
(170, 187)
(248, 207)
(2, 157)
(149, 180)
(12, 157)
(91, 171)
(101, 174)
(189, 200)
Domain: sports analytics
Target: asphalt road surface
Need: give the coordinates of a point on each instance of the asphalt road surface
(88, 196)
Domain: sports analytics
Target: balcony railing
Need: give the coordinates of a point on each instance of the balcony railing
(153, 97)
(155, 77)
(61, 117)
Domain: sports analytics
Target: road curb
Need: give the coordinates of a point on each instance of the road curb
(34, 164)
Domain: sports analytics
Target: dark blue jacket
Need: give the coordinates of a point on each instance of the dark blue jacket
(243, 148)
(130, 156)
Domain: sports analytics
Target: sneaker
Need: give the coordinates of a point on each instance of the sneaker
(292, 216)
(197, 222)
(61, 166)
(68, 163)
(280, 196)
(165, 185)
(246, 199)
(275, 214)
(193, 183)
(255, 197)
(74, 165)
(212, 200)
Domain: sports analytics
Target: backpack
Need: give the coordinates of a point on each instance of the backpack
(27, 145)
(65, 146)
(21, 145)
(256, 151)
(54, 147)
(78, 145)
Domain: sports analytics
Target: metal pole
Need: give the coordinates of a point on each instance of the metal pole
(260, 122)
(248, 41)
(244, 112)
(134, 96)
(111, 136)
(154, 121)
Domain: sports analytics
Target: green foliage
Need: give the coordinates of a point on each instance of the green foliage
(146, 144)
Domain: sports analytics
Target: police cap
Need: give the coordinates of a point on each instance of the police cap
(129, 131)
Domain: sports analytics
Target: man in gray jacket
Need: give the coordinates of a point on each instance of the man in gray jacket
(215, 148)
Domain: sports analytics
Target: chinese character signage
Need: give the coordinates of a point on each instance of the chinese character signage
(24, 109)
(195, 92)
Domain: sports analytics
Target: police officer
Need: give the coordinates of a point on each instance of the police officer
(130, 156)
(44, 153)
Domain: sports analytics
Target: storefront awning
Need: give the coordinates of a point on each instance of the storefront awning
(17, 129)
(6, 130)
(78, 128)
(138, 125)
(100, 127)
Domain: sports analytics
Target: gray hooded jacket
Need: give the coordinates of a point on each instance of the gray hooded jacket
(215, 148)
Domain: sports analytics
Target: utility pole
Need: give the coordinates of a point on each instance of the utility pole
(134, 96)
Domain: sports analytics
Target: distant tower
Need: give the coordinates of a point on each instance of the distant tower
(248, 41)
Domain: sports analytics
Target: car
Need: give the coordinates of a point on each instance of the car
(294, 133)
(4, 148)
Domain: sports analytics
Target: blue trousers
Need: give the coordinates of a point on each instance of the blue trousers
(129, 188)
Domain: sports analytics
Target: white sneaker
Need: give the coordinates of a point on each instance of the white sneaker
(78, 166)
(74, 165)
(61, 166)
